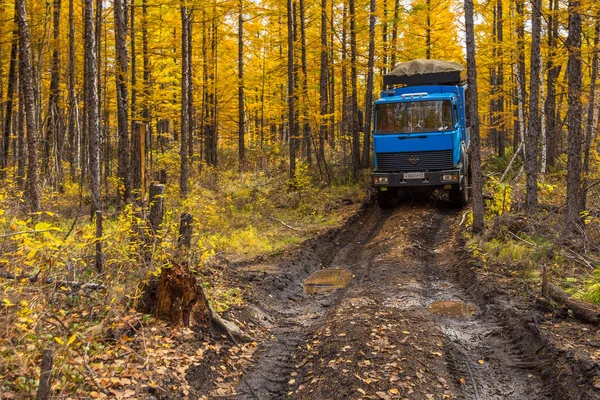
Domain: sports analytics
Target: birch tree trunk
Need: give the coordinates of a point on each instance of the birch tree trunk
(92, 108)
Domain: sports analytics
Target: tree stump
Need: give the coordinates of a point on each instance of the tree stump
(156, 206)
(181, 300)
(185, 231)
(43, 391)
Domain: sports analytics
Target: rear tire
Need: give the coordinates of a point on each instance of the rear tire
(459, 194)
(387, 199)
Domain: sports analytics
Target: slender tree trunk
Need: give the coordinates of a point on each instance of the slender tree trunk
(553, 72)
(574, 188)
(124, 171)
(354, 93)
(54, 128)
(521, 53)
(384, 39)
(473, 106)
(501, 133)
(33, 169)
(428, 31)
(323, 84)
(241, 111)
(306, 132)
(345, 125)
(185, 81)
(534, 127)
(21, 128)
(369, 95)
(10, 93)
(395, 33)
(136, 173)
(72, 100)
(146, 66)
(290, 87)
(592, 107)
(93, 123)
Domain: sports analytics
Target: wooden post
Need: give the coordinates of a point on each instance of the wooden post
(142, 133)
(98, 242)
(163, 177)
(545, 282)
(156, 206)
(43, 392)
(185, 231)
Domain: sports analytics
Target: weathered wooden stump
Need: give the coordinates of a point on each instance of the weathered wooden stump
(156, 206)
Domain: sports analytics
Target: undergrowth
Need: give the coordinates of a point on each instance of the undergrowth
(54, 297)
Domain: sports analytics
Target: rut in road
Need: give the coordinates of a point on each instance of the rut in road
(376, 335)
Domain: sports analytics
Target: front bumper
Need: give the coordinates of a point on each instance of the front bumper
(430, 178)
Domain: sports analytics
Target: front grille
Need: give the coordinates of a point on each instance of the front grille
(417, 161)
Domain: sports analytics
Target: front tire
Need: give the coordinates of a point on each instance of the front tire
(386, 199)
(459, 194)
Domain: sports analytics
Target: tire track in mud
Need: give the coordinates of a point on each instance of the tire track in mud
(402, 261)
(480, 355)
(297, 313)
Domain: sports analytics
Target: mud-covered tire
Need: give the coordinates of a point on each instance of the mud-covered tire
(386, 199)
(459, 196)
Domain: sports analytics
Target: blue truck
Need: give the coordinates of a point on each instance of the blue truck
(421, 131)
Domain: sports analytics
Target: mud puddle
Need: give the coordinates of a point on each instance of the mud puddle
(327, 281)
(453, 309)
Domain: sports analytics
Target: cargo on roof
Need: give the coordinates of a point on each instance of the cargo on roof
(426, 72)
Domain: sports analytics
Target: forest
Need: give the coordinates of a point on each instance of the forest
(173, 173)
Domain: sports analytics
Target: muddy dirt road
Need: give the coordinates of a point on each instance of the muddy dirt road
(390, 318)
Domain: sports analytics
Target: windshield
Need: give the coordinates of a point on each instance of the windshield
(414, 117)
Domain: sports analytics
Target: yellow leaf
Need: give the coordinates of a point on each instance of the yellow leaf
(291, 382)
(480, 362)
(394, 391)
(59, 340)
(7, 302)
(31, 254)
(463, 381)
(71, 339)
(362, 392)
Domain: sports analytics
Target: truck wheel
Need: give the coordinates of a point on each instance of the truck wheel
(386, 199)
(460, 197)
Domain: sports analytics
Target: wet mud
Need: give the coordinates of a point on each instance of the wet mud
(377, 309)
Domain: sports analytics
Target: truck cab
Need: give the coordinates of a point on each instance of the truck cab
(421, 131)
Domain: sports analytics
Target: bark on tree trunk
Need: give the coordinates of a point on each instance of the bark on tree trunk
(92, 109)
(124, 171)
(473, 106)
(54, 128)
(306, 132)
(323, 85)
(592, 107)
(290, 88)
(574, 189)
(10, 93)
(369, 95)
(32, 185)
(534, 114)
(553, 71)
(72, 106)
(354, 93)
(241, 111)
(185, 81)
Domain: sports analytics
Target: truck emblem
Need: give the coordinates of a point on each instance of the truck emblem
(414, 160)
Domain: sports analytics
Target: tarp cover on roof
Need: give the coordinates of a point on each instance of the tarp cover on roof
(421, 66)
(426, 72)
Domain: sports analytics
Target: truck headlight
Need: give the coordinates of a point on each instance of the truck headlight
(381, 179)
(449, 177)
